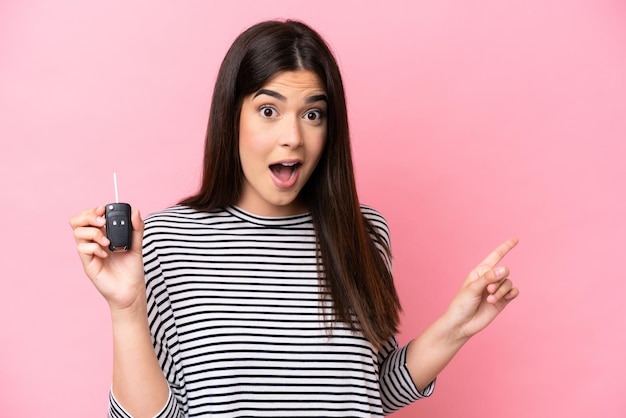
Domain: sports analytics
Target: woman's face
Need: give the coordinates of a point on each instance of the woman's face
(282, 132)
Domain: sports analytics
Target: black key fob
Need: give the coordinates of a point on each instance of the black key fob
(118, 226)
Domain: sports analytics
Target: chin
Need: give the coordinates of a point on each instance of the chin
(288, 207)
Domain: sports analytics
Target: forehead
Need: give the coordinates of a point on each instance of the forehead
(299, 80)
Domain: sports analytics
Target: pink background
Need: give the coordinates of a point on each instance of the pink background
(471, 121)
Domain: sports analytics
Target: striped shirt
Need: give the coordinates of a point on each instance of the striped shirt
(240, 323)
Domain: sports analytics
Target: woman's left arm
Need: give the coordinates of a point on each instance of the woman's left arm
(487, 290)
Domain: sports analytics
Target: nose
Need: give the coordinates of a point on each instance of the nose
(292, 136)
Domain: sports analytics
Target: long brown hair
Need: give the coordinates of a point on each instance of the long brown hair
(350, 264)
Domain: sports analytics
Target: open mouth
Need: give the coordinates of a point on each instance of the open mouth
(285, 171)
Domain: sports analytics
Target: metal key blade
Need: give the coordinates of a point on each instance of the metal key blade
(117, 199)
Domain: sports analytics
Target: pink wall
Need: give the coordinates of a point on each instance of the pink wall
(472, 122)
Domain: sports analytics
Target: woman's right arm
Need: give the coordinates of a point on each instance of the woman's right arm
(139, 384)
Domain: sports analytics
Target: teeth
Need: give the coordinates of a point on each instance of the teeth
(288, 164)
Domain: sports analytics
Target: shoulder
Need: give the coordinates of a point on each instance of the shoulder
(180, 215)
(182, 220)
(372, 214)
(377, 220)
(375, 217)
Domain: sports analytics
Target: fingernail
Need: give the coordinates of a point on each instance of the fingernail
(500, 272)
(100, 220)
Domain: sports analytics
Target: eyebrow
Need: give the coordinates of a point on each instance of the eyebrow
(277, 95)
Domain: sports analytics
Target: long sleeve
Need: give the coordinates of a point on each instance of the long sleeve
(164, 337)
(170, 409)
(396, 386)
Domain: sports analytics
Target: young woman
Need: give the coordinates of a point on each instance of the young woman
(269, 292)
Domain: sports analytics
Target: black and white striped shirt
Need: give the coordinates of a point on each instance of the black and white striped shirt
(240, 323)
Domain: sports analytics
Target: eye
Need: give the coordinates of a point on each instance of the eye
(314, 115)
(268, 112)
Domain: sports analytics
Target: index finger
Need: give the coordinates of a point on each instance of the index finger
(498, 254)
(88, 217)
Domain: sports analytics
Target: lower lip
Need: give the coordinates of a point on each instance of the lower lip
(285, 184)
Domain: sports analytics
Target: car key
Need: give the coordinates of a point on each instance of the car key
(118, 224)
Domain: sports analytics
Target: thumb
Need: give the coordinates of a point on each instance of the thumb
(480, 283)
(138, 227)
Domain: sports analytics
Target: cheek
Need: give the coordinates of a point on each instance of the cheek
(247, 151)
(251, 140)
(319, 144)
